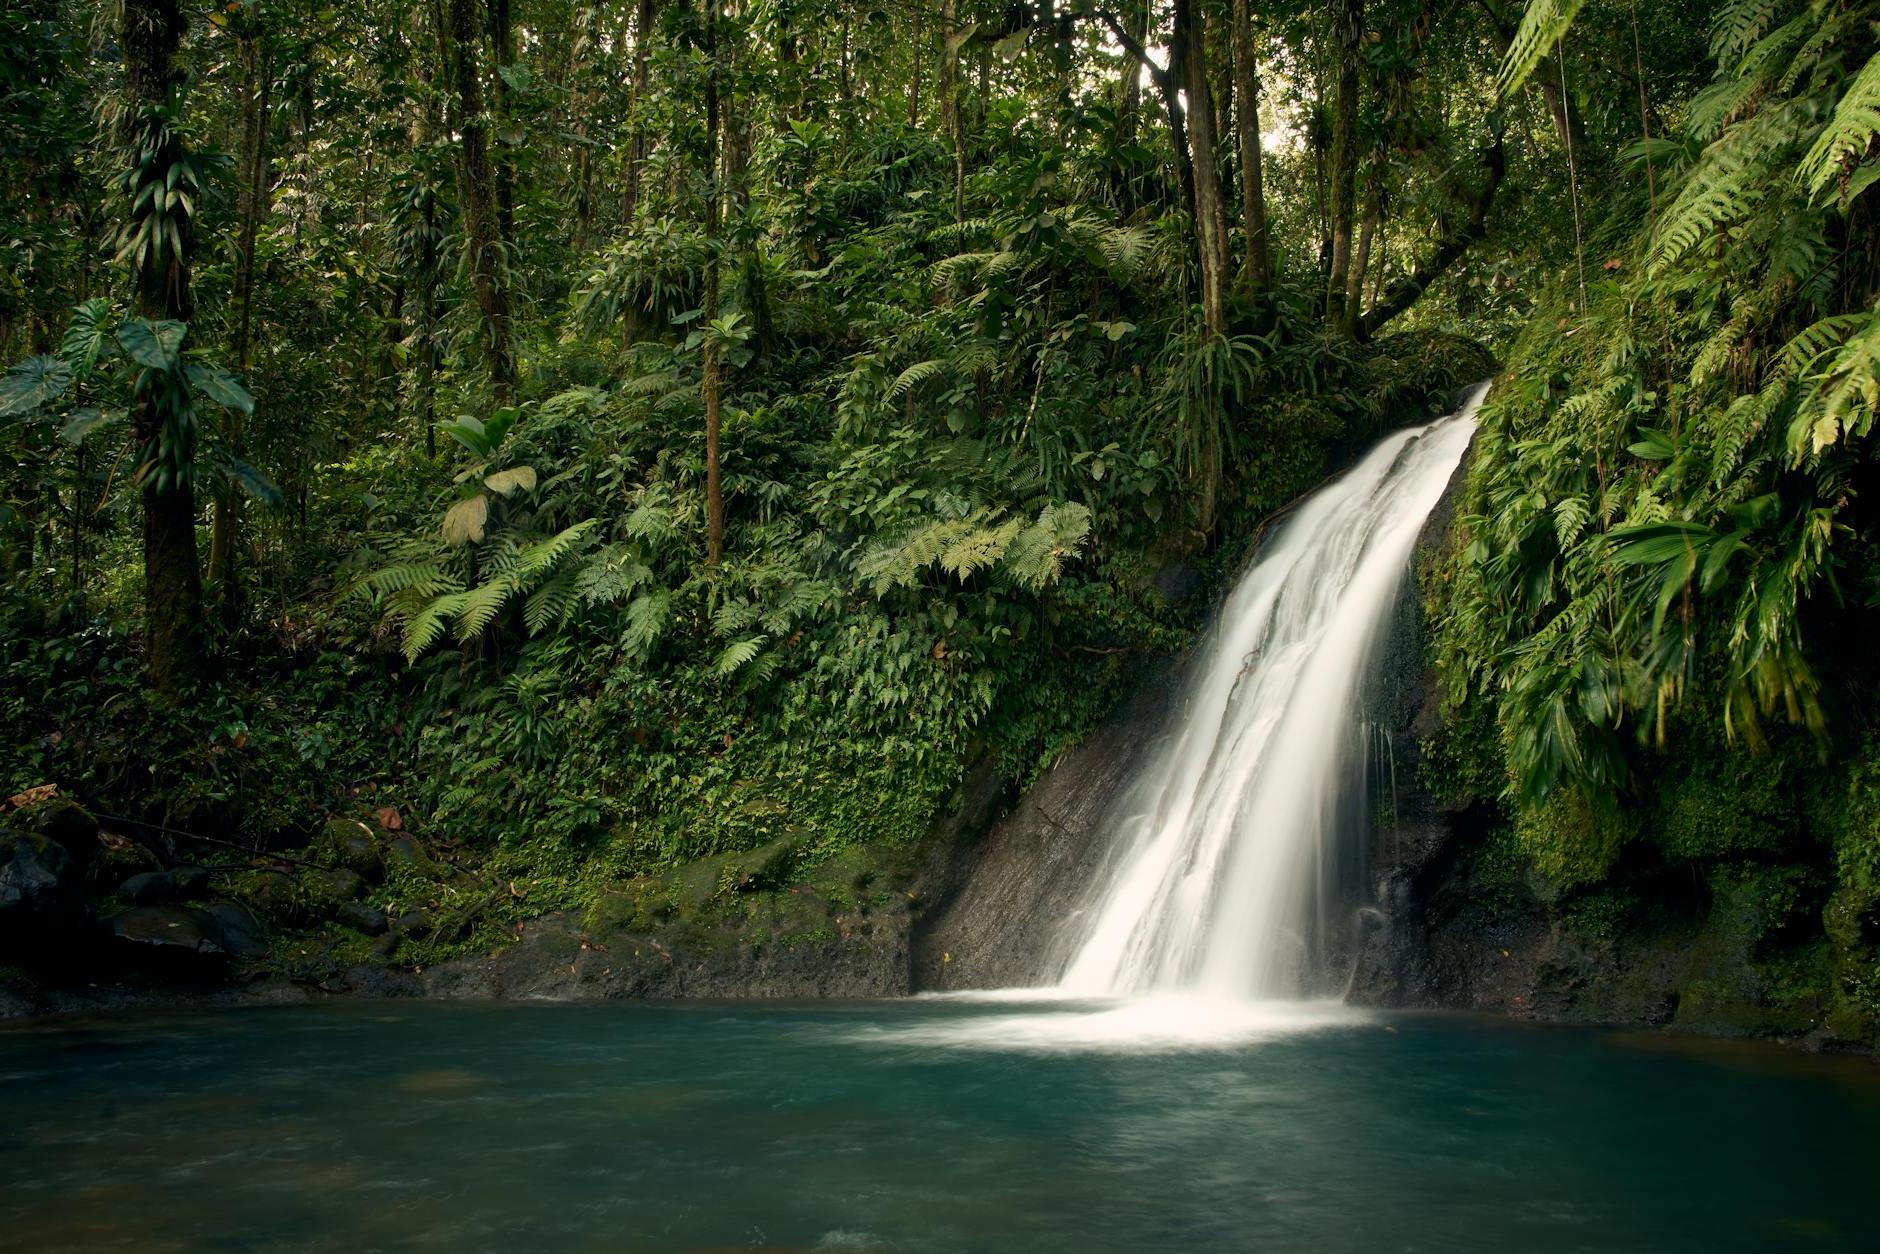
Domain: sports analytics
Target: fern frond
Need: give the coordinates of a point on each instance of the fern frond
(647, 616)
(479, 607)
(426, 579)
(544, 554)
(1848, 139)
(978, 548)
(737, 653)
(1740, 25)
(426, 627)
(1037, 554)
(1543, 23)
(550, 605)
(915, 375)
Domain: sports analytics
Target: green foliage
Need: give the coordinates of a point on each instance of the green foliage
(1666, 488)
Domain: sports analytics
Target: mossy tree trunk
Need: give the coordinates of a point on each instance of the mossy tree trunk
(1349, 15)
(173, 645)
(1189, 53)
(1257, 262)
(477, 188)
(711, 384)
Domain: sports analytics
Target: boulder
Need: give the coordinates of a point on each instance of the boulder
(405, 851)
(155, 887)
(174, 932)
(38, 877)
(415, 923)
(274, 892)
(237, 930)
(168, 929)
(341, 885)
(361, 917)
(350, 845)
(62, 821)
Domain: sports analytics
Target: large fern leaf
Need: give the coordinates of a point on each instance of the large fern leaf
(1543, 23)
(1848, 139)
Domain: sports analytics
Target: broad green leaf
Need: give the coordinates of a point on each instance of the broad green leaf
(250, 480)
(85, 339)
(503, 482)
(32, 383)
(466, 520)
(152, 344)
(469, 432)
(221, 387)
(87, 420)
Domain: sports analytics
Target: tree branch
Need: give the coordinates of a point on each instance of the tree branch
(1406, 291)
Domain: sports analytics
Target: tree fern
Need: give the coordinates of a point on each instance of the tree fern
(552, 602)
(736, 654)
(1037, 554)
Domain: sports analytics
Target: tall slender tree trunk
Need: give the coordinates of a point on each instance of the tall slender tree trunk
(711, 383)
(1257, 263)
(1361, 259)
(913, 79)
(252, 206)
(482, 226)
(1349, 16)
(1188, 50)
(173, 646)
(503, 51)
(635, 161)
(949, 88)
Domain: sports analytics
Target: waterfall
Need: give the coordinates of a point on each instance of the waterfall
(1226, 862)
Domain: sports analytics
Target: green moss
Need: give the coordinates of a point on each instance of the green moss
(1569, 840)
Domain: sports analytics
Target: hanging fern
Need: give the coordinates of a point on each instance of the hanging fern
(1848, 142)
(1543, 24)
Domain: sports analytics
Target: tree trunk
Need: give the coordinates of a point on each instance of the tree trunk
(636, 103)
(1188, 52)
(1258, 262)
(949, 88)
(1407, 290)
(913, 79)
(712, 380)
(1349, 15)
(482, 228)
(257, 84)
(503, 52)
(173, 647)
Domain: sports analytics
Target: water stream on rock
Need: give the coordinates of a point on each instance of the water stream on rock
(1231, 854)
(1236, 857)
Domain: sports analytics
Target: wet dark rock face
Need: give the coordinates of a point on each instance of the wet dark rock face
(1002, 903)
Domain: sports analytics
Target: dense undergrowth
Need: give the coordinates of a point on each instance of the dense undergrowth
(1006, 362)
(1656, 626)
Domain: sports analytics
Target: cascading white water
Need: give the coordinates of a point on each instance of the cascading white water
(1218, 882)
